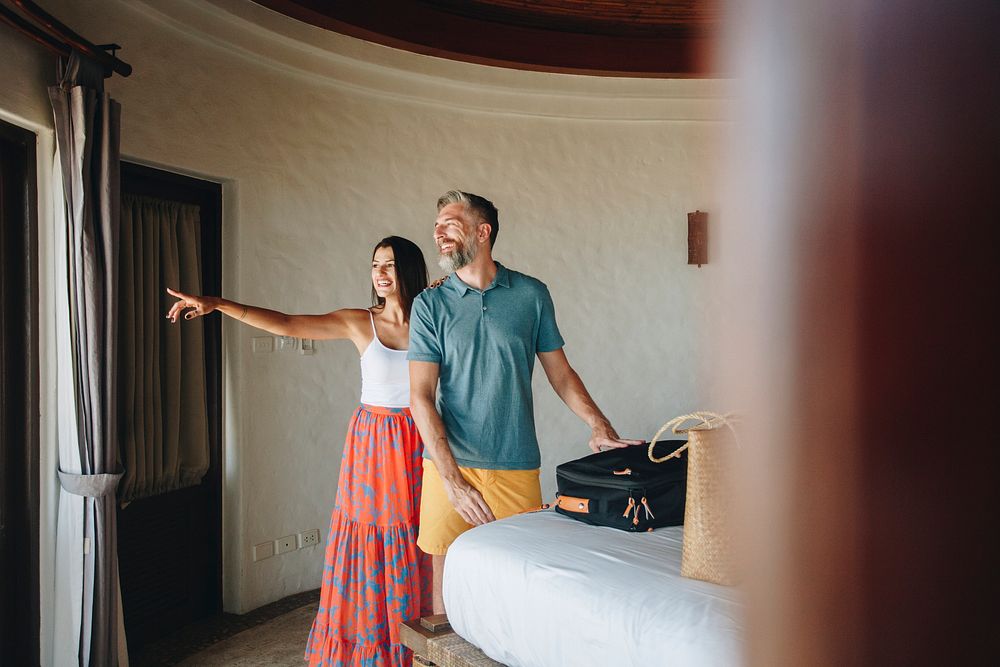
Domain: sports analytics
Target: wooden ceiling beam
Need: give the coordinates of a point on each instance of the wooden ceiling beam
(673, 51)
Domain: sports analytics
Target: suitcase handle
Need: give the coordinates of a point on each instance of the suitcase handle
(708, 421)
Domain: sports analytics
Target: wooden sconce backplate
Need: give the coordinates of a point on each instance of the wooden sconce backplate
(698, 238)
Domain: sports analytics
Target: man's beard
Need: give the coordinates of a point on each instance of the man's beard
(461, 256)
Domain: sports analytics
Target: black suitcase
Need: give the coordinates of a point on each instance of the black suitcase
(622, 488)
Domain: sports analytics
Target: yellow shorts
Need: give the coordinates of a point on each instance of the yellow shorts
(507, 492)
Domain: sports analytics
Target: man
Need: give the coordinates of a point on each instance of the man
(478, 333)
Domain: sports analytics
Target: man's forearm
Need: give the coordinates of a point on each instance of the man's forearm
(432, 432)
(576, 397)
(568, 385)
(467, 501)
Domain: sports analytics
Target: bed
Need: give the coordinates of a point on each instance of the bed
(544, 590)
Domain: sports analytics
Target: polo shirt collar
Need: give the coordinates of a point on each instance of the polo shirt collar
(501, 279)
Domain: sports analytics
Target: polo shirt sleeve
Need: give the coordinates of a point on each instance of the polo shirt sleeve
(424, 345)
(549, 338)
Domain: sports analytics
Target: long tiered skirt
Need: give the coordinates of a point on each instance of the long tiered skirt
(374, 577)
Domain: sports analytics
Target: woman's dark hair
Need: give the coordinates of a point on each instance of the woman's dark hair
(411, 271)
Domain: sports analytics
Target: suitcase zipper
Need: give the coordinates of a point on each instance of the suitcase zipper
(624, 482)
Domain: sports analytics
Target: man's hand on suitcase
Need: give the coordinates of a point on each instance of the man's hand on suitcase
(603, 436)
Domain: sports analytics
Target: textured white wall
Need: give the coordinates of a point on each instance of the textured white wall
(325, 144)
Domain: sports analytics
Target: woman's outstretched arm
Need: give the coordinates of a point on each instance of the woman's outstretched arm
(330, 326)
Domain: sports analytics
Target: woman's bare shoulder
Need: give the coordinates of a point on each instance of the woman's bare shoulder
(356, 313)
(355, 317)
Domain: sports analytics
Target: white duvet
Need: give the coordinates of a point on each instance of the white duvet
(544, 590)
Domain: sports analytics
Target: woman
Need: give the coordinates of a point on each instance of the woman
(374, 576)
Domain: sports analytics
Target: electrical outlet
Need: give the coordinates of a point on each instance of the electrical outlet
(263, 550)
(309, 538)
(261, 344)
(287, 342)
(308, 346)
(285, 544)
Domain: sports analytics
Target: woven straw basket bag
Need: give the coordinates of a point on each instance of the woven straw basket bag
(707, 551)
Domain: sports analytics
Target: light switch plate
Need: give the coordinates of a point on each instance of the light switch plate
(261, 344)
(263, 550)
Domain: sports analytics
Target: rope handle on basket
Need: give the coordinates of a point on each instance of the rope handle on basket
(709, 421)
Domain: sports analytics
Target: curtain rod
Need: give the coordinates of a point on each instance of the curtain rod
(32, 32)
(57, 37)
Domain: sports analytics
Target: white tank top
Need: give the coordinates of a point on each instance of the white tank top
(385, 374)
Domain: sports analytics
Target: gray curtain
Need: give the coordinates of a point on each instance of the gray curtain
(87, 124)
(164, 417)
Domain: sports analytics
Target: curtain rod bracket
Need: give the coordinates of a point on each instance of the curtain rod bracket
(111, 48)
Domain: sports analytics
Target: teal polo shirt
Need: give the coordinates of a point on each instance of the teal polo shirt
(485, 343)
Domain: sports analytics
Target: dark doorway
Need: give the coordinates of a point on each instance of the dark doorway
(170, 545)
(19, 475)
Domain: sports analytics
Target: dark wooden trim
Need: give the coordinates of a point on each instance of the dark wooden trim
(23, 261)
(152, 182)
(421, 28)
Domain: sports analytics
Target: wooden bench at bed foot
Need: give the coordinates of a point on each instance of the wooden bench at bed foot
(433, 642)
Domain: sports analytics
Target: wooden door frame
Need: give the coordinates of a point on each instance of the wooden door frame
(141, 180)
(25, 583)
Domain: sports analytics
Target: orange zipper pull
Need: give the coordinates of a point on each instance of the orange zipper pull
(631, 504)
(624, 471)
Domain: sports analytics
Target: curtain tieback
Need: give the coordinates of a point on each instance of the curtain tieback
(90, 486)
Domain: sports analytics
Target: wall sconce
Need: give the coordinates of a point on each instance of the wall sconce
(698, 238)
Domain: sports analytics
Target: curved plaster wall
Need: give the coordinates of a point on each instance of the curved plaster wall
(326, 143)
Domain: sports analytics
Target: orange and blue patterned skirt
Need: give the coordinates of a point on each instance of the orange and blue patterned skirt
(374, 577)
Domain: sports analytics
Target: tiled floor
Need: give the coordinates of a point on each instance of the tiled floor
(269, 625)
(278, 643)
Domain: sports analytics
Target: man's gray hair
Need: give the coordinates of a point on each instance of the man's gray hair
(481, 207)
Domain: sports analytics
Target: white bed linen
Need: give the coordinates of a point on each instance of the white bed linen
(544, 590)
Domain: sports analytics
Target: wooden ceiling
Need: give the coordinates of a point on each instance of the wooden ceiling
(648, 38)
